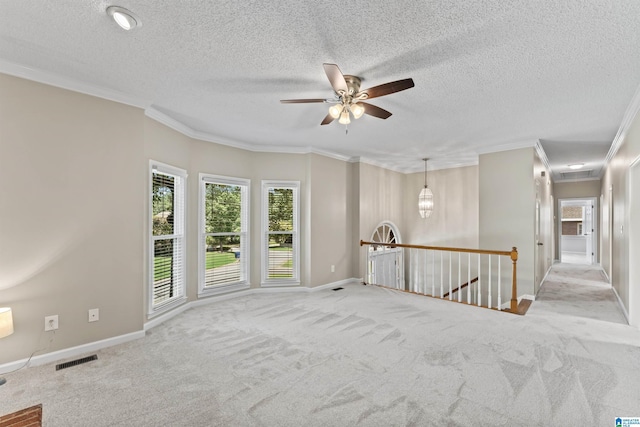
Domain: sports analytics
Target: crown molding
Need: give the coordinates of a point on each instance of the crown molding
(508, 146)
(152, 112)
(178, 126)
(57, 80)
(543, 156)
(629, 115)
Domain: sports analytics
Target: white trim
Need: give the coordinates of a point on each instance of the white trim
(264, 247)
(543, 279)
(181, 220)
(595, 222)
(178, 126)
(508, 146)
(410, 170)
(245, 206)
(632, 244)
(394, 228)
(231, 295)
(543, 156)
(223, 289)
(70, 352)
(121, 339)
(629, 115)
(621, 305)
(57, 80)
(152, 112)
(167, 306)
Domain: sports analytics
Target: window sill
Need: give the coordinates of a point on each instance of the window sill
(276, 284)
(167, 307)
(223, 289)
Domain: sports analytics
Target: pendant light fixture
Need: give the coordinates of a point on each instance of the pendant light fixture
(425, 199)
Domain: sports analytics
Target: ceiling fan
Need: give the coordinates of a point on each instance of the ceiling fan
(349, 99)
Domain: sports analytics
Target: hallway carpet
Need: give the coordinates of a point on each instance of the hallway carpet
(361, 356)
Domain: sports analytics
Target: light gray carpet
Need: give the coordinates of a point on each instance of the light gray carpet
(360, 356)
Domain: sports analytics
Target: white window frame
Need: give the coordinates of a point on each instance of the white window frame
(179, 223)
(245, 185)
(295, 280)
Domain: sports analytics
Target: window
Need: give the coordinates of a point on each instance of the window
(223, 252)
(579, 229)
(167, 274)
(280, 241)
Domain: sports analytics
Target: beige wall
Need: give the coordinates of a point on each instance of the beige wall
(74, 232)
(507, 208)
(72, 174)
(381, 198)
(331, 206)
(616, 179)
(454, 221)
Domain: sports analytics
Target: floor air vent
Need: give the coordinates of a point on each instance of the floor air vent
(337, 289)
(76, 362)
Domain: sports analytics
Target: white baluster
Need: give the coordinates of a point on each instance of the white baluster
(469, 278)
(450, 296)
(499, 284)
(441, 276)
(489, 302)
(433, 275)
(479, 288)
(459, 276)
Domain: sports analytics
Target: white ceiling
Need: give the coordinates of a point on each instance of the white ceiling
(488, 74)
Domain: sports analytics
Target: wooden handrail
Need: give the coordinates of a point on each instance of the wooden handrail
(460, 287)
(446, 249)
(513, 254)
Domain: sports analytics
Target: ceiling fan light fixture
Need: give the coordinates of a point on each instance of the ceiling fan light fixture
(126, 19)
(357, 110)
(335, 110)
(344, 118)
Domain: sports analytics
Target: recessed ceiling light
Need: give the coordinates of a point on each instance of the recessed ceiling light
(576, 166)
(126, 19)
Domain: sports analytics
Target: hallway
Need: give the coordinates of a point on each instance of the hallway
(578, 290)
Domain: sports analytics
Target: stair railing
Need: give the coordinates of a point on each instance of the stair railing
(469, 276)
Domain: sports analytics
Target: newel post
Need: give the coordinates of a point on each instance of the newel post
(514, 286)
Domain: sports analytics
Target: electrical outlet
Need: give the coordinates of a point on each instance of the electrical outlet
(94, 315)
(333, 268)
(51, 323)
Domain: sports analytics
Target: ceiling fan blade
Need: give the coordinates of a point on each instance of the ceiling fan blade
(336, 78)
(302, 101)
(375, 111)
(387, 88)
(327, 120)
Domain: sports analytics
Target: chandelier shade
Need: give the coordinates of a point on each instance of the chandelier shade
(425, 198)
(425, 202)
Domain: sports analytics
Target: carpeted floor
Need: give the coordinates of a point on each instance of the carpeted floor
(360, 356)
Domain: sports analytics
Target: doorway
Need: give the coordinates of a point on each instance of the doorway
(578, 230)
(386, 262)
(634, 244)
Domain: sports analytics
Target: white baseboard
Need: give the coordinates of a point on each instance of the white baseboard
(70, 352)
(73, 352)
(222, 297)
(621, 305)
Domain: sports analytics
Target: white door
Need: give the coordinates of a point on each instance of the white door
(587, 230)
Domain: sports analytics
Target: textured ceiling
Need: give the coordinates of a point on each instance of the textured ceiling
(488, 74)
